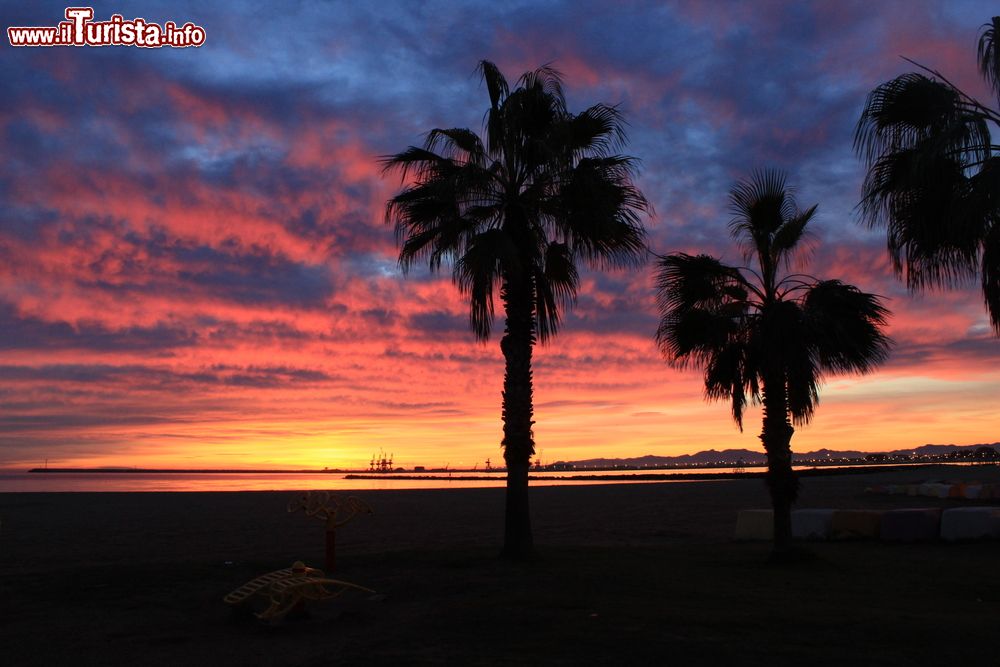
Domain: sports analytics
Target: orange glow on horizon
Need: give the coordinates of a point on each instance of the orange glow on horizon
(437, 412)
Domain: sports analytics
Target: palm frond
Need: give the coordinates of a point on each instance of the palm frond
(991, 275)
(704, 320)
(499, 91)
(434, 217)
(479, 272)
(686, 282)
(931, 216)
(596, 132)
(421, 244)
(791, 232)
(760, 204)
(547, 80)
(555, 287)
(560, 272)
(899, 114)
(845, 326)
(421, 160)
(695, 336)
(729, 377)
(913, 111)
(598, 211)
(457, 142)
(802, 385)
(988, 54)
(496, 84)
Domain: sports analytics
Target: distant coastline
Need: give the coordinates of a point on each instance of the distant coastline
(706, 472)
(638, 476)
(737, 460)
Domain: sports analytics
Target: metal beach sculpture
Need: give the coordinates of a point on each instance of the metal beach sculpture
(335, 510)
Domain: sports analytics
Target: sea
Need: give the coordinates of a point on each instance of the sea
(21, 481)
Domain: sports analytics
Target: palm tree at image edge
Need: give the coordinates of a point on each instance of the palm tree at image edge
(512, 212)
(933, 176)
(765, 336)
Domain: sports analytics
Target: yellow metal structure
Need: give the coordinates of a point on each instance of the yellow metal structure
(334, 510)
(285, 589)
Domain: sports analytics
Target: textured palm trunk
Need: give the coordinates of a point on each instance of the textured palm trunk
(781, 480)
(518, 440)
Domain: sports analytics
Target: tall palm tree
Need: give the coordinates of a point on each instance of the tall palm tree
(933, 176)
(513, 211)
(764, 335)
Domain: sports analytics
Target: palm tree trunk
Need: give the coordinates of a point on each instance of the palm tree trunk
(781, 479)
(518, 440)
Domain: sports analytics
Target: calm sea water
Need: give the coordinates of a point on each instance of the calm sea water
(21, 481)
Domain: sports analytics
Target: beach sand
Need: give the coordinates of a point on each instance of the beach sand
(638, 574)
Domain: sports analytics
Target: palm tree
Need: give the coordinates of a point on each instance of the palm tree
(765, 335)
(513, 211)
(933, 176)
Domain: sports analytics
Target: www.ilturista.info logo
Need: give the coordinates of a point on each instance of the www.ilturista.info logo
(79, 29)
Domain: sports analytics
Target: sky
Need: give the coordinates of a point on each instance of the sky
(195, 270)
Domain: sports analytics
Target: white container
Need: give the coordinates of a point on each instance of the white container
(970, 523)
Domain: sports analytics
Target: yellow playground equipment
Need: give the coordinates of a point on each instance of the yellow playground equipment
(284, 590)
(334, 510)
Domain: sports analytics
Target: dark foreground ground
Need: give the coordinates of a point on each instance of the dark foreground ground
(627, 574)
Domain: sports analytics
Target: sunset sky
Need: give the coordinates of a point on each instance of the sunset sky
(195, 270)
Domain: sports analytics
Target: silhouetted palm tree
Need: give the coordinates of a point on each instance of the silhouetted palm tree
(933, 178)
(513, 211)
(765, 335)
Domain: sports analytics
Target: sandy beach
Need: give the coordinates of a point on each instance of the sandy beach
(640, 574)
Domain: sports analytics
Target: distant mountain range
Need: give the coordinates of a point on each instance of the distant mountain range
(750, 457)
